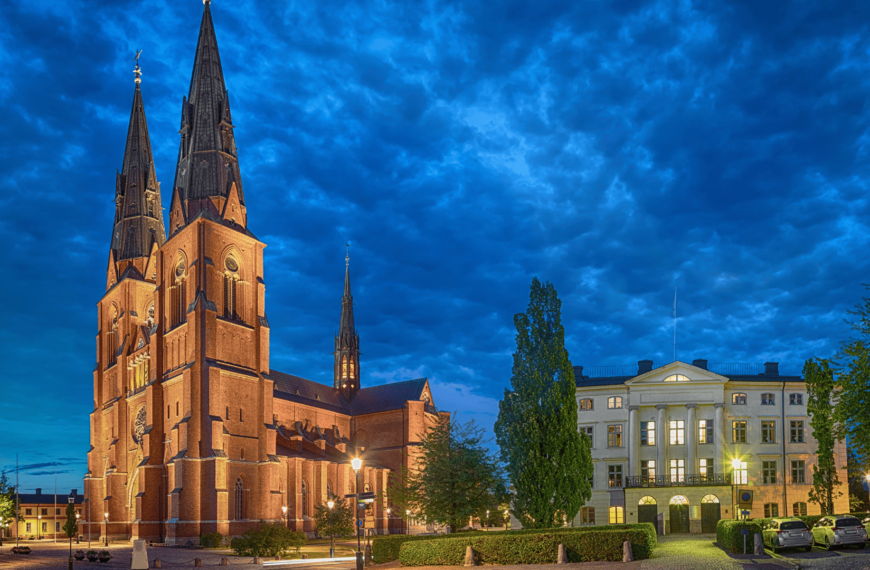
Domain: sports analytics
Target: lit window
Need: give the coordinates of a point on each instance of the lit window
(738, 431)
(768, 431)
(586, 404)
(738, 399)
(614, 476)
(797, 431)
(614, 403)
(344, 366)
(614, 436)
(676, 378)
(352, 371)
(587, 515)
(617, 516)
(799, 509)
(705, 431)
(796, 399)
(767, 400)
(648, 471)
(677, 432)
(741, 475)
(647, 433)
(705, 467)
(771, 510)
(798, 471)
(678, 470)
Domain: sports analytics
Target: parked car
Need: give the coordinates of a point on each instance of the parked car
(840, 530)
(787, 532)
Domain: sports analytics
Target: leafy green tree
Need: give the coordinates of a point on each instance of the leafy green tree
(859, 501)
(71, 527)
(7, 499)
(820, 390)
(549, 462)
(453, 477)
(337, 521)
(268, 540)
(853, 383)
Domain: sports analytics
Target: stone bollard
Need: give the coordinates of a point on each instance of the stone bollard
(627, 554)
(562, 558)
(304, 557)
(759, 544)
(256, 559)
(469, 556)
(225, 561)
(197, 562)
(278, 557)
(157, 563)
(140, 556)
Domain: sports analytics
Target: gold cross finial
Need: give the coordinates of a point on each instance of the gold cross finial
(347, 257)
(137, 71)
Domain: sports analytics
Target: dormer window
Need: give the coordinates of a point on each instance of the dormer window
(676, 378)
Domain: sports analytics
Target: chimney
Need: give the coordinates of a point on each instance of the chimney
(700, 363)
(644, 366)
(771, 368)
(38, 491)
(75, 493)
(578, 372)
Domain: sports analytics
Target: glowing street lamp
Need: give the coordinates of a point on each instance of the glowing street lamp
(285, 517)
(356, 463)
(487, 519)
(330, 503)
(106, 534)
(38, 525)
(408, 516)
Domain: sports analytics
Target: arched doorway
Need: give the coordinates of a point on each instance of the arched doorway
(710, 513)
(647, 511)
(679, 514)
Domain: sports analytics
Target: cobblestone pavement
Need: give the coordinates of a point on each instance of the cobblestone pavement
(697, 552)
(50, 556)
(842, 558)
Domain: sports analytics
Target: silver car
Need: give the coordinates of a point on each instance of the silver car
(834, 531)
(787, 533)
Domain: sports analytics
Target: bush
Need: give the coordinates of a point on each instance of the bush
(386, 548)
(211, 540)
(538, 547)
(268, 540)
(730, 538)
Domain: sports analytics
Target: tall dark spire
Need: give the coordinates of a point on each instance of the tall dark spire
(346, 372)
(207, 176)
(138, 209)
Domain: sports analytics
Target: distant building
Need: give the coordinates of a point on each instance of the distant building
(192, 431)
(43, 515)
(673, 445)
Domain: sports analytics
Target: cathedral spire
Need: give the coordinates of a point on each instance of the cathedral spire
(138, 212)
(346, 373)
(208, 167)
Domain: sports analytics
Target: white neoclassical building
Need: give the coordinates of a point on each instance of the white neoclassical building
(673, 445)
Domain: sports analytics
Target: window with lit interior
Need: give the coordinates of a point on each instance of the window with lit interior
(614, 403)
(676, 378)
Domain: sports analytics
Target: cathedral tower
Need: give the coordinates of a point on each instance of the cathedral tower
(346, 368)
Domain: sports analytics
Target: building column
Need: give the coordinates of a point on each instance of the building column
(719, 428)
(662, 440)
(691, 424)
(634, 441)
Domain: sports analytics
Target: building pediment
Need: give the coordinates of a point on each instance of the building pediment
(685, 373)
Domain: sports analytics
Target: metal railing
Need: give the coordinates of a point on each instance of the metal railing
(712, 479)
(610, 370)
(736, 369)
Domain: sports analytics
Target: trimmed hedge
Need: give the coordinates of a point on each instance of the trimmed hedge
(541, 547)
(729, 537)
(387, 548)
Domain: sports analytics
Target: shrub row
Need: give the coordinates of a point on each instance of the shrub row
(268, 540)
(730, 538)
(211, 540)
(387, 548)
(581, 545)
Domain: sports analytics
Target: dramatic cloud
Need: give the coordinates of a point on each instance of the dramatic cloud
(614, 148)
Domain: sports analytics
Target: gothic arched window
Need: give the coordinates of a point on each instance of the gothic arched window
(344, 366)
(304, 498)
(231, 279)
(240, 498)
(352, 371)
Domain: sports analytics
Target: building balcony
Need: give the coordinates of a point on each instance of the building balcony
(709, 480)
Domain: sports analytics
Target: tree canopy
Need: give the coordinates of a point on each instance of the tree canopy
(853, 385)
(820, 391)
(549, 462)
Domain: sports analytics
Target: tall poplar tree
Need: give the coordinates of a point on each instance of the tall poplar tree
(853, 383)
(820, 389)
(549, 462)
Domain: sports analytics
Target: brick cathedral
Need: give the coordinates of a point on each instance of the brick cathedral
(192, 431)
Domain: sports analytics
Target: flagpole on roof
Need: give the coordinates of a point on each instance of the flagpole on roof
(675, 322)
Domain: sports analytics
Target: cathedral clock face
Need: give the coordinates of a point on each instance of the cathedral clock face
(139, 426)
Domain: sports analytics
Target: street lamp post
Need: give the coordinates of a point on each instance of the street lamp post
(286, 518)
(38, 524)
(71, 499)
(331, 504)
(408, 517)
(78, 534)
(388, 520)
(735, 465)
(486, 524)
(106, 534)
(356, 463)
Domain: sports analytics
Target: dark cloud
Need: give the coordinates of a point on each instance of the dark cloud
(615, 149)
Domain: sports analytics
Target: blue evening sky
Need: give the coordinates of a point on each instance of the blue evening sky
(616, 148)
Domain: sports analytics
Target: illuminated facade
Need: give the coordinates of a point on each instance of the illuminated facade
(192, 431)
(672, 445)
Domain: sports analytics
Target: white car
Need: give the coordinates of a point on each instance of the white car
(834, 531)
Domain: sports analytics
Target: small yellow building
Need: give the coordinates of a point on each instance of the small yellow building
(43, 515)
